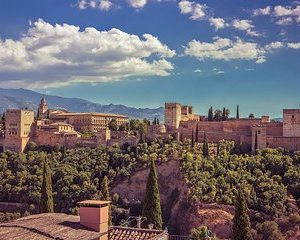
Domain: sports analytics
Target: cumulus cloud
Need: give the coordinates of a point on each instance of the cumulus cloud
(294, 45)
(274, 45)
(218, 23)
(225, 49)
(196, 11)
(53, 55)
(262, 11)
(198, 71)
(137, 3)
(104, 5)
(245, 25)
(284, 15)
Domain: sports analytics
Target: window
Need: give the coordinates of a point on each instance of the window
(258, 132)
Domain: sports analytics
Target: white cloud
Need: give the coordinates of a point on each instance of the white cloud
(284, 15)
(294, 45)
(197, 11)
(274, 45)
(262, 11)
(225, 49)
(137, 3)
(285, 21)
(82, 4)
(198, 71)
(218, 23)
(105, 5)
(245, 25)
(53, 55)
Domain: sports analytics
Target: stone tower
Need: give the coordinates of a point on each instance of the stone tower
(42, 110)
(259, 137)
(172, 115)
(291, 122)
(18, 124)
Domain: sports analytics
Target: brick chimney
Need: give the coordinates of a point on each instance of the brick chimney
(94, 214)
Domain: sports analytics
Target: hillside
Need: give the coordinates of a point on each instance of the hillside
(21, 98)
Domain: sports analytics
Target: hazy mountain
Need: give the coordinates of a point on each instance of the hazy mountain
(21, 98)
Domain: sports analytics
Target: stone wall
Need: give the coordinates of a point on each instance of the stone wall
(291, 122)
(290, 143)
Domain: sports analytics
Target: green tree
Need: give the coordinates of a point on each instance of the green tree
(113, 125)
(205, 148)
(218, 115)
(197, 133)
(202, 233)
(210, 114)
(105, 190)
(241, 229)
(193, 140)
(224, 114)
(151, 205)
(269, 230)
(46, 202)
(237, 112)
(251, 116)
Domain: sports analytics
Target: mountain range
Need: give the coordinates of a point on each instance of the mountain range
(24, 98)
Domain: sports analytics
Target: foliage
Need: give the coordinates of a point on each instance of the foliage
(46, 203)
(241, 229)
(269, 230)
(151, 205)
(113, 125)
(104, 190)
(267, 177)
(202, 233)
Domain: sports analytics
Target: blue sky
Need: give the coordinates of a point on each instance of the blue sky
(143, 53)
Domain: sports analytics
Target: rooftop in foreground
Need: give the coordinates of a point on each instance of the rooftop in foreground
(61, 226)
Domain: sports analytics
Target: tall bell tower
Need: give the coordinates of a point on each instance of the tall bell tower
(43, 108)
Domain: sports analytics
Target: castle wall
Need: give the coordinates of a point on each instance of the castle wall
(290, 143)
(291, 122)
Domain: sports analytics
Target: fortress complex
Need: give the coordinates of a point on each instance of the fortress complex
(256, 132)
(57, 127)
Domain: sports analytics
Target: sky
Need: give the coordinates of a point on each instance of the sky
(143, 53)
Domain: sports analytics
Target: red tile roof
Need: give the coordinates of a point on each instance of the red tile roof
(61, 226)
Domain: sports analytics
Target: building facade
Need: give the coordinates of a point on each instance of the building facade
(18, 124)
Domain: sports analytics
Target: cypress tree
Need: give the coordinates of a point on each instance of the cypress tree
(210, 114)
(157, 121)
(255, 142)
(193, 141)
(105, 196)
(237, 112)
(197, 129)
(46, 202)
(205, 149)
(241, 229)
(104, 189)
(224, 114)
(151, 205)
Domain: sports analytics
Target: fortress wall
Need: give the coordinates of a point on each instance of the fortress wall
(275, 129)
(291, 143)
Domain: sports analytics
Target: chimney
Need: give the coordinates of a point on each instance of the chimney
(94, 214)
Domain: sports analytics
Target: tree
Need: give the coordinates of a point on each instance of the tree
(210, 114)
(197, 133)
(251, 116)
(237, 112)
(255, 141)
(105, 190)
(202, 233)
(227, 113)
(205, 148)
(224, 114)
(113, 125)
(193, 140)
(241, 229)
(105, 196)
(46, 202)
(269, 230)
(151, 204)
(218, 115)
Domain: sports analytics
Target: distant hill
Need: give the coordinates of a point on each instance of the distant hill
(21, 98)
